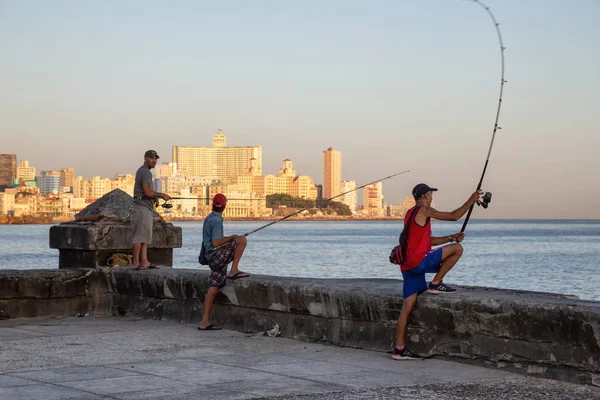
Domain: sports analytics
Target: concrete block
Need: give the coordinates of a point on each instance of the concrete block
(103, 228)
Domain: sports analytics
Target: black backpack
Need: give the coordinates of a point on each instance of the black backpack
(202, 257)
(398, 253)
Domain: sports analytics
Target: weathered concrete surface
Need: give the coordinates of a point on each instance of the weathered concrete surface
(103, 228)
(90, 245)
(123, 358)
(113, 206)
(534, 333)
(110, 236)
(539, 334)
(37, 293)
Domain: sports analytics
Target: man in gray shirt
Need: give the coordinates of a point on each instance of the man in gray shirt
(142, 212)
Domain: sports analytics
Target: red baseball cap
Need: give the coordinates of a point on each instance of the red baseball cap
(219, 200)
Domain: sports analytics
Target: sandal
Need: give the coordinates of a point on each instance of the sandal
(238, 275)
(211, 327)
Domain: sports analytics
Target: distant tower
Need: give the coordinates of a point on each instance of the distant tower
(332, 173)
(219, 139)
(287, 169)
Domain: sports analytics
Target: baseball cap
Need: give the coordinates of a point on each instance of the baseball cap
(219, 200)
(421, 189)
(151, 154)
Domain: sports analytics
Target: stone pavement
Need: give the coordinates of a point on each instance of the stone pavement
(117, 358)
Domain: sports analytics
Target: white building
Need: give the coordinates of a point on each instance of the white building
(174, 184)
(219, 160)
(349, 199)
(25, 172)
(187, 205)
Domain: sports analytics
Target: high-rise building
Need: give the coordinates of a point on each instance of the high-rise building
(8, 170)
(125, 182)
(373, 200)
(81, 188)
(25, 172)
(332, 173)
(100, 186)
(287, 182)
(350, 199)
(166, 169)
(50, 181)
(67, 176)
(219, 160)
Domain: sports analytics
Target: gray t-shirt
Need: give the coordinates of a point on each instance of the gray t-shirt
(142, 176)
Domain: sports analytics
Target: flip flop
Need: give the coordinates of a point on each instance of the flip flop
(236, 276)
(211, 327)
(140, 267)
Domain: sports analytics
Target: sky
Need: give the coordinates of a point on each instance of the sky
(393, 85)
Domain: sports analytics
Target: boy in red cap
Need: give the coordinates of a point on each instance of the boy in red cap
(417, 242)
(220, 250)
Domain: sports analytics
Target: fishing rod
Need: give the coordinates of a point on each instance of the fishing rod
(205, 198)
(487, 197)
(326, 200)
(168, 204)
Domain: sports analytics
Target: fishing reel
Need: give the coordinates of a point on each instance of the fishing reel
(166, 204)
(485, 200)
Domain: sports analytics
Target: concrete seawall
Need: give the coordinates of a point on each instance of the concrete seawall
(533, 333)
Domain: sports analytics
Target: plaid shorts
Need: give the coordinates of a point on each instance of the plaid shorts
(218, 262)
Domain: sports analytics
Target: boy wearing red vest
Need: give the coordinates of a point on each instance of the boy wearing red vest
(419, 258)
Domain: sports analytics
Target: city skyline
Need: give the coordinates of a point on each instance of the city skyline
(392, 85)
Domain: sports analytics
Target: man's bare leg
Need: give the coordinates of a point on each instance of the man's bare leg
(208, 303)
(450, 255)
(144, 255)
(239, 250)
(137, 247)
(407, 306)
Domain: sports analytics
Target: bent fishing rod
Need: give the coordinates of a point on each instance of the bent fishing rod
(487, 198)
(326, 200)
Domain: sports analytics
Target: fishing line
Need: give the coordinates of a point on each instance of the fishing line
(487, 198)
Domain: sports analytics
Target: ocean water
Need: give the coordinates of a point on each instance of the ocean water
(548, 256)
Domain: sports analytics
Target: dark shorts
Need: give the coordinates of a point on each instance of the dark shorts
(414, 279)
(218, 262)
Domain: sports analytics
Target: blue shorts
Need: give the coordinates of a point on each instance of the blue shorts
(414, 279)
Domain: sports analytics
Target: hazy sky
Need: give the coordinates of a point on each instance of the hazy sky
(394, 85)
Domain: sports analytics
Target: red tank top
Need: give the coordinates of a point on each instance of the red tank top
(418, 243)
